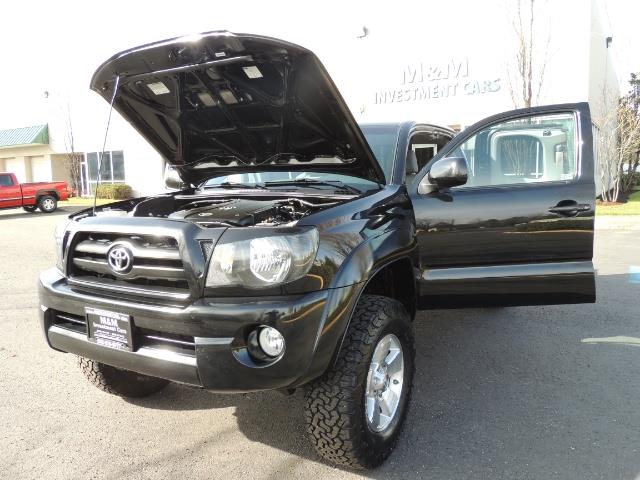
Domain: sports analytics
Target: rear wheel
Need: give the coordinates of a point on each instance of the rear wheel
(355, 411)
(47, 204)
(119, 382)
(30, 208)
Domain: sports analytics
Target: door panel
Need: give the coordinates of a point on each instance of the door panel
(10, 194)
(520, 232)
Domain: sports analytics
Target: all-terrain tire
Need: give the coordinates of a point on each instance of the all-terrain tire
(119, 382)
(335, 410)
(47, 204)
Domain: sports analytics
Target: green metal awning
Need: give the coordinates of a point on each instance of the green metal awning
(35, 135)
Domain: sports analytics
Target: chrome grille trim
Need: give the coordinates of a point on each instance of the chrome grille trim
(156, 292)
(137, 271)
(156, 267)
(101, 247)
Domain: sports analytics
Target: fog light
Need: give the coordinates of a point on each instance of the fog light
(271, 341)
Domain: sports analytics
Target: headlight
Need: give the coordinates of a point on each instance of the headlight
(58, 235)
(262, 261)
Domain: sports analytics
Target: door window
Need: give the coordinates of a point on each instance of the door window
(527, 150)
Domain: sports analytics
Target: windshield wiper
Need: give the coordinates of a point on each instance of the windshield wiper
(337, 184)
(235, 185)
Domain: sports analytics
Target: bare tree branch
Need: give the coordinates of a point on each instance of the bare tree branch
(73, 159)
(525, 78)
(618, 144)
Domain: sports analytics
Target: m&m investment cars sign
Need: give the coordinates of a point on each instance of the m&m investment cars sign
(421, 81)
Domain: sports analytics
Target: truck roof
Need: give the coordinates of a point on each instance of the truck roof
(407, 125)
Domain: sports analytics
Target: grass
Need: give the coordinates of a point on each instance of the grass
(631, 207)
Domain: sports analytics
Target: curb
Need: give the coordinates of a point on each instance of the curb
(617, 222)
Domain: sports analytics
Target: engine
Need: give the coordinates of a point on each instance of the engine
(238, 212)
(216, 211)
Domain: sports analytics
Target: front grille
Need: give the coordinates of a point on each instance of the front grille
(142, 337)
(155, 264)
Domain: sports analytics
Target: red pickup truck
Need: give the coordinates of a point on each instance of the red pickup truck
(30, 196)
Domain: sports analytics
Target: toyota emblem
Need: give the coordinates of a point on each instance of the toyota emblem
(120, 259)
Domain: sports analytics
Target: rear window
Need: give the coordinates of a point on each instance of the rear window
(383, 140)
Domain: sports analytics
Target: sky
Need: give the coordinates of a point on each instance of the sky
(55, 46)
(624, 18)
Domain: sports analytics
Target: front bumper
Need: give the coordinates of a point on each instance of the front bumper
(204, 343)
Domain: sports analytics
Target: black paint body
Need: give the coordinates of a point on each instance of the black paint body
(446, 248)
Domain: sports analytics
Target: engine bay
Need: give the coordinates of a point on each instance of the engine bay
(225, 211)
(241, 212)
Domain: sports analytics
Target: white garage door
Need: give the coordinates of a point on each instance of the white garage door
(40, 169)
(16, 165)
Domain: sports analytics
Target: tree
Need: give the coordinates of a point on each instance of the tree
(61, 112)
(72, 159)
(619, 144)
(525, 75)
(632, 100)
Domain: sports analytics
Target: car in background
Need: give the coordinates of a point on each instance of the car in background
(31, 196)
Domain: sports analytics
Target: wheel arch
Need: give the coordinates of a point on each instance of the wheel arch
(382, 281)
(45, 193)
(342, 304)
(386, 258)
(396, 280)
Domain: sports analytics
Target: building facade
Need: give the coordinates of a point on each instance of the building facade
(27, 153)
(448, 63)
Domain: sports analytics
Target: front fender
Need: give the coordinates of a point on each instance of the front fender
(376, 252)
(348, 285)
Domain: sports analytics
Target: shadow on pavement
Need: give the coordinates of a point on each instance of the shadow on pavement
(19, 213)
(498, 393)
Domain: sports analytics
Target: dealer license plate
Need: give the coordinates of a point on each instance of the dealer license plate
(109, 329)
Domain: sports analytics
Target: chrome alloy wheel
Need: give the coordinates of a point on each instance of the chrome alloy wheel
(384, 383)
(48, 204)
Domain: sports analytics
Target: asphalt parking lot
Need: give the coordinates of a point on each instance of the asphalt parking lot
(508, 393)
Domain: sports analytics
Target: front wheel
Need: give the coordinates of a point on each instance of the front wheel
(355, 411)
(47, 204)
(119, 382)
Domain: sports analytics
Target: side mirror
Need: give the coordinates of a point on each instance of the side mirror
(172, 179)
(445, 173)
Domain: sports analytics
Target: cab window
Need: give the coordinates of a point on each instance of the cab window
(6, 181)
(423, 146)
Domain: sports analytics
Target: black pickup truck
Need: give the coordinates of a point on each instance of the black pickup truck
(300, 245)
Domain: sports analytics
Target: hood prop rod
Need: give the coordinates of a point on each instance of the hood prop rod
(116, 84)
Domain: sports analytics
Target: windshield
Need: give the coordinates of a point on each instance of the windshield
(383, 140)
(263, 179)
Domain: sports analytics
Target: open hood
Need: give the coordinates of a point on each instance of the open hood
(221, 103)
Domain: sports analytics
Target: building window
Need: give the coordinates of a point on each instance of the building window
(111, 169)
